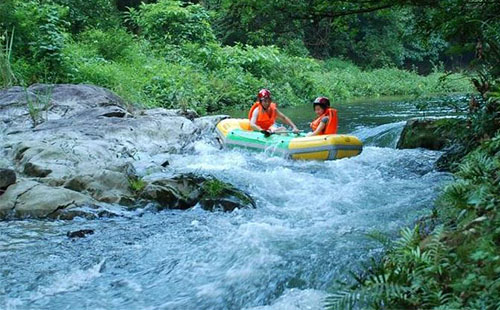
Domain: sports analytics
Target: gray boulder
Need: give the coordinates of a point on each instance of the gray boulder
(30, 199)
(82, 145)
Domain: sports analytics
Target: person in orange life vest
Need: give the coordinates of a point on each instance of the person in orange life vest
(327, 120)
(264, 113)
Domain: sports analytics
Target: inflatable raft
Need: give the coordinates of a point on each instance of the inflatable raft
(237, 133)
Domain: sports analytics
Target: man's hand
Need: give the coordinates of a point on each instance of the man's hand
(266, 133)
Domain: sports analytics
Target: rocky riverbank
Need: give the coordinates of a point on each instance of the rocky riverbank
(76, 150)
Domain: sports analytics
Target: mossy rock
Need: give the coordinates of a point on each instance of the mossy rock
(218, 195)
(186, 190)
(432, 134)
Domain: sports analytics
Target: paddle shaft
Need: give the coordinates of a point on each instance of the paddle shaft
(287, 131)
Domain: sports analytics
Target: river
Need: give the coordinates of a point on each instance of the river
(308, 230)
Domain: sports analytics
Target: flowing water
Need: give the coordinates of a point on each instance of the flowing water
(308, 230)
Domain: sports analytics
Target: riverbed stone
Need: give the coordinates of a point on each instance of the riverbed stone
(80, 233)
(451, 157)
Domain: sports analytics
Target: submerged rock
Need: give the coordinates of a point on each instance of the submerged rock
(451, 157)
(430, 133)
(218, 195)
(80, 233)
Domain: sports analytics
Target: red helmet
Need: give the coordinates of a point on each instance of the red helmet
(322, 102)
(264, 93)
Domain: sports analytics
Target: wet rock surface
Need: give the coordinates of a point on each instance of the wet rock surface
(68, 150)
(187, 190)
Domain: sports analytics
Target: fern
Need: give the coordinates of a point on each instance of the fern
(341, 300)
(381, 238)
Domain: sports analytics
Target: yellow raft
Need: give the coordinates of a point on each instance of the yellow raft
(237, 133)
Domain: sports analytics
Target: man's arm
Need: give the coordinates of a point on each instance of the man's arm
(318, 130)
(286, 120)
(253, 120)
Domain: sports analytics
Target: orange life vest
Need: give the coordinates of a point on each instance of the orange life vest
(265, 119)
(331, 126)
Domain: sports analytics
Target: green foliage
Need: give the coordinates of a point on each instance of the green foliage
(383, 38)
(210, 77)
(48, 45)
(99, 14)
(40, 29)
(176, 61)
(169, 22)
(457, 266)
(348, 81)
(113, 44)
(379, 38)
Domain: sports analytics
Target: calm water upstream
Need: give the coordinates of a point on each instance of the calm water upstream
(307, 231)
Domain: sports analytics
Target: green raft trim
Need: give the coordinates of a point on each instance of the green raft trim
(276, 143)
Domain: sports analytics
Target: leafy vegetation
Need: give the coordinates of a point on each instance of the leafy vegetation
(457, 266)
(136, 184)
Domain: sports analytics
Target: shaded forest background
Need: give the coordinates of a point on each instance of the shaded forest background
(208, 55)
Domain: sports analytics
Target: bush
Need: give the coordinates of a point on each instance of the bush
(101, 14)
(40, 34)
(169, 22)
(209, 77)
(113, 44)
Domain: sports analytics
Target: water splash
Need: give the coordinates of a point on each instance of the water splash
(386, 135)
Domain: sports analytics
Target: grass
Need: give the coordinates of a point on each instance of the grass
(6, 73)
(214, 188)
(136, 184)
(37, 104)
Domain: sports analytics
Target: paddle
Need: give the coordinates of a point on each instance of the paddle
(267, 134)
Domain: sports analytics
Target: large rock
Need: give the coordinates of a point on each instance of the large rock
(48, 102)
(430, 133)
(83, 144)
(185, 191)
